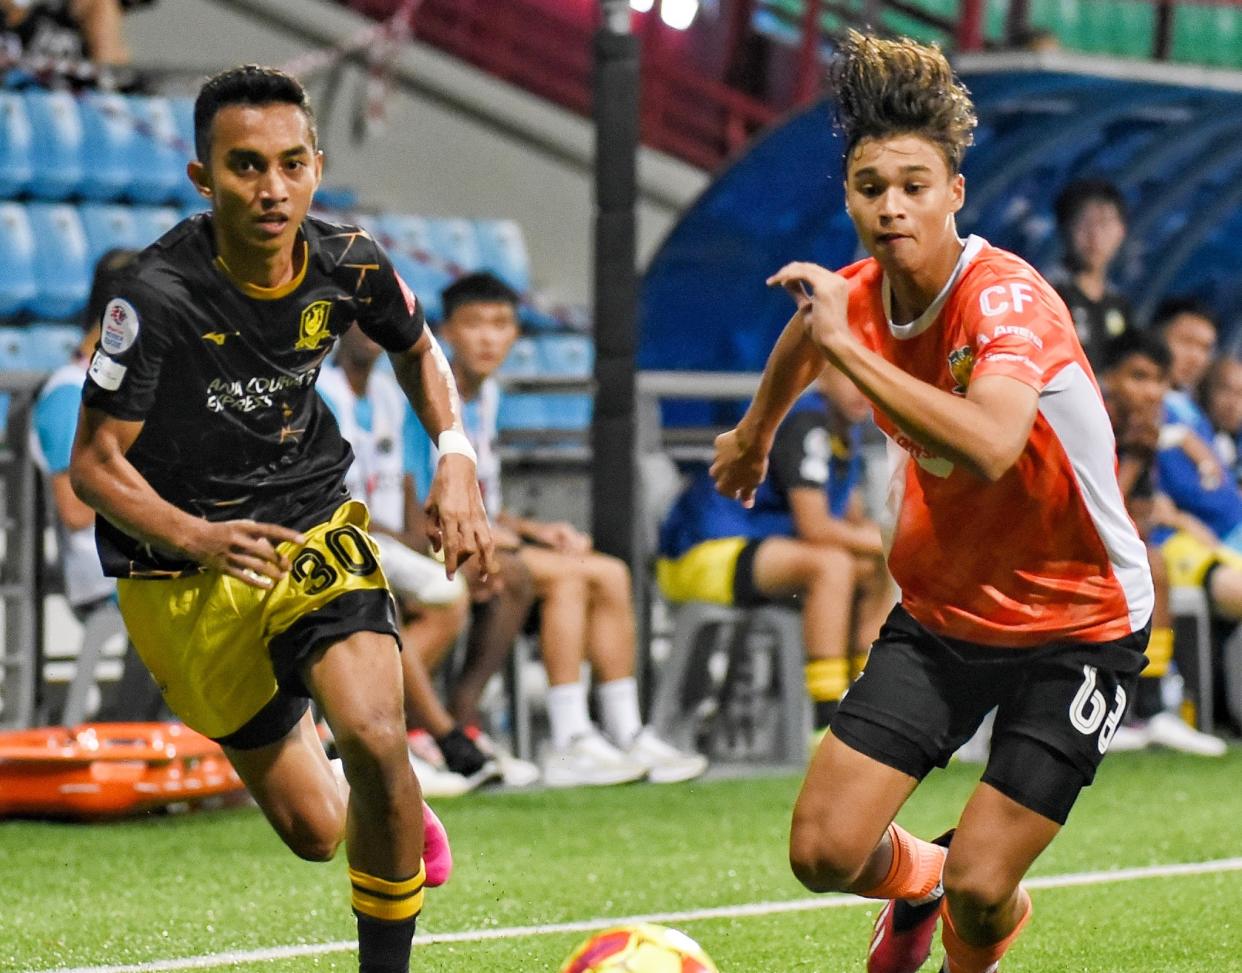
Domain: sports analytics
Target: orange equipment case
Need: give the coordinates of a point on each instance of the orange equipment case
(101, 770)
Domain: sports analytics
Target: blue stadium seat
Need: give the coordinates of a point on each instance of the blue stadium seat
(17, 256)
(154, 221)
(157, 166)
(502, 250)
(57, 144)
(108, 226)
(523, 360)
(109, 146)
(12, 350)
(456, 242)
(62, 268)
(16, 146)
(48, 346)
(568, 412)
(567, 355)
(408, 242)
(183, 116)
(522, 410)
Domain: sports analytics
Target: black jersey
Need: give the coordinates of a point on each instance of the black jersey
(224, 378)
(1097, 322)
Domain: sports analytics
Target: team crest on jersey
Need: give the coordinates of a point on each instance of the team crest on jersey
(313, 327)
(961, 364)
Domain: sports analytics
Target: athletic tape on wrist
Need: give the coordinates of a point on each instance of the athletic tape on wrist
(452, 441)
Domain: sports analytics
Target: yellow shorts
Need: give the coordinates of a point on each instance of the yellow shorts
(228, 656)
(1189, 559)
(706, 572)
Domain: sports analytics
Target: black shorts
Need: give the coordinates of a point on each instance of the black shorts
(922, 696)
(746, 593)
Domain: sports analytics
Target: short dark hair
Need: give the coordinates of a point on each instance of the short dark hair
(249, 84)
(1171, 307)
(1074, 197)
(901, 87)
(477, 288)
(1133, 342)
(111, 266)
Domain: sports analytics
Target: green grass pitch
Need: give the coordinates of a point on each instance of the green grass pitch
(144, 894)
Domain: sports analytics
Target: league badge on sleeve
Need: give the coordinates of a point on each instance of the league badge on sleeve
(118, 327)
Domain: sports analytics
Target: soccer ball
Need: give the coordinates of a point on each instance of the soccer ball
(643, 948)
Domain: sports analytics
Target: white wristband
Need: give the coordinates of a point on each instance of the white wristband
(452, 441)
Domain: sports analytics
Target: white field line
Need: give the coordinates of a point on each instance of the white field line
(691, 915)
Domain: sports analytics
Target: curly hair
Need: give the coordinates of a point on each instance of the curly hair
(901, 87)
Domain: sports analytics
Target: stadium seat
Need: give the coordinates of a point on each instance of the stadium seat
(567, 355)
(12, 349)
(522, 411)
(16, 146)
(408, 242)
(109, 144)
(454, 241)
(154, 221)
(502, 250)
(48, 346)
(17, 256)
(56, 128)
(183, 117)
(108, 226)
(157, 163)
(523, 360)
(570, 412)
(62, 261)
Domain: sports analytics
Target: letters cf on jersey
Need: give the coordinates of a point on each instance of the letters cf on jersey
(1000, 298)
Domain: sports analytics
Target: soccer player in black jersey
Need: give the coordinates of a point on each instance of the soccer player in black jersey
(247, 579)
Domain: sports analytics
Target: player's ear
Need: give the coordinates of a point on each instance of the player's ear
(957, 192)
(318, 166)
(199, 176)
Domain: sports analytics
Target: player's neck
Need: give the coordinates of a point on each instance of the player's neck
(357, 376)
(468, 384)
(1092, 283)
(259, 268)
(914, 290)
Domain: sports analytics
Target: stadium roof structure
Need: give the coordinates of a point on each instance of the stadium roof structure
(1169, 137)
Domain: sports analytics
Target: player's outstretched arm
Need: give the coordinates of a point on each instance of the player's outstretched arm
(741, 454)
(108, 482)
(456, 521)
(984, 431)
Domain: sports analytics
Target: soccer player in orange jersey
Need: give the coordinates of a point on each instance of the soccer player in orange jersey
(1025, 586)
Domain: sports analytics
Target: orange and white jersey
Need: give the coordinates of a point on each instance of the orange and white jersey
(1047, 552)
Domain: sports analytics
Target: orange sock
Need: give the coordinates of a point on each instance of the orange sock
(915, 870)
(965, 958)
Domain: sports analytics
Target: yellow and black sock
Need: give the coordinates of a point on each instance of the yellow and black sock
(1148, 700)
(387, 912)
(826, 682)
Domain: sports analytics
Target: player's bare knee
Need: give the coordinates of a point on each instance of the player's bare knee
(371, 748)
(314, 841)
(819, 860)
(977, 889)
(610, 574)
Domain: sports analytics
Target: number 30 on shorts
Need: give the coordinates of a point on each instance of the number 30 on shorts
(1089, 712)
(349, 549)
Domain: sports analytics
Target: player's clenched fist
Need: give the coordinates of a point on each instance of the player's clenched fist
(822, 298)
(740, 465)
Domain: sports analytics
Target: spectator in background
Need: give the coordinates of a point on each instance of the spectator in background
(806, 535)
(54, 421)
(1134, 379)
(1091, 219)
(371, 411)
(586, 607)
(1221, 395)
(64, 30)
